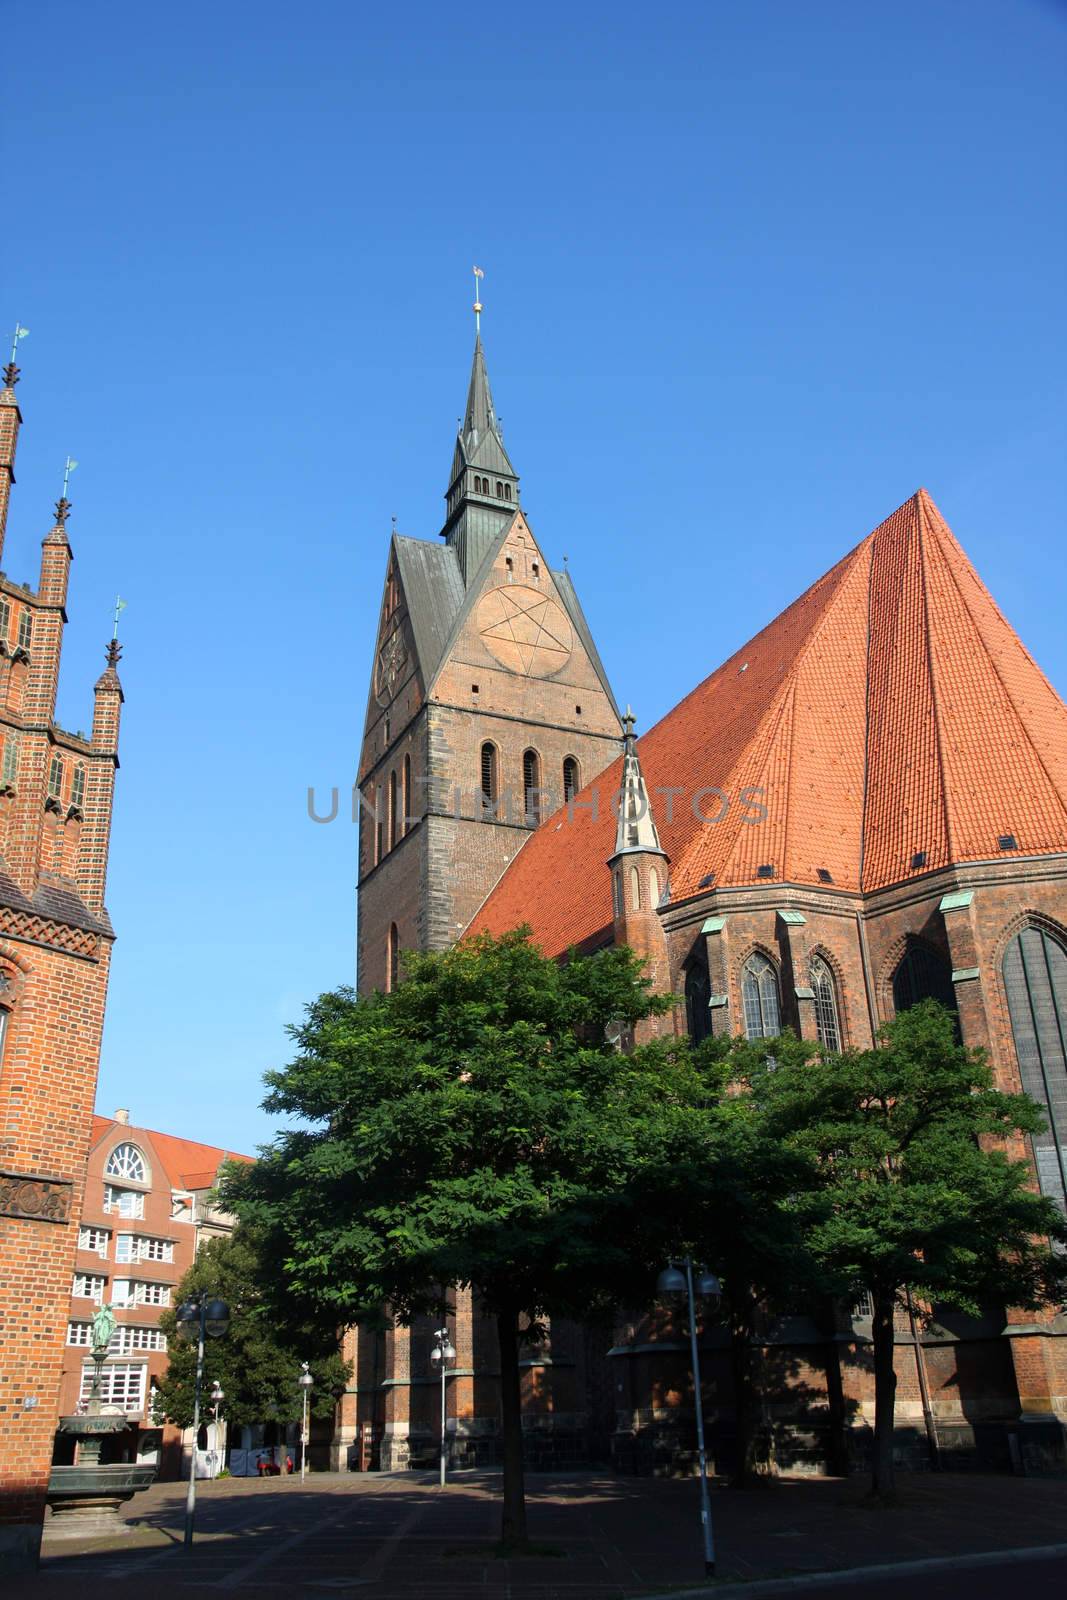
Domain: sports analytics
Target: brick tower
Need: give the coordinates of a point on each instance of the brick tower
(55, 946)
(488, 706)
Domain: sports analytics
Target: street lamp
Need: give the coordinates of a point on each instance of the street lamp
(443, 1352)
(200, 1319)
(305, 1381)
(671, 1284)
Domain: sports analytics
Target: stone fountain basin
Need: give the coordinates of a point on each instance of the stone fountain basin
(116, 1482)
(103, 1422)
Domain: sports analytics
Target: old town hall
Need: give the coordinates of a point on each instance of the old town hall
(863, 806)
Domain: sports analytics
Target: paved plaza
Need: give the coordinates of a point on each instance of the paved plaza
(604, 1538)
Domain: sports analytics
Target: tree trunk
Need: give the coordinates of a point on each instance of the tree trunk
(883, 1484)
(513, 1520)
(741, 1331)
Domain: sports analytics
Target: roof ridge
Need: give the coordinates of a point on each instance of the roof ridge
(920, 498)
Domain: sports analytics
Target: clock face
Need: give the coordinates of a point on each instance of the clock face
(525, 630)
(392, 659)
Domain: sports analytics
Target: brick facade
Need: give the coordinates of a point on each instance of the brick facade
(55, 946)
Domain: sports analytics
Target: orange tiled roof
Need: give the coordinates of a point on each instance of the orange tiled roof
(188, 1165)
(890, 710)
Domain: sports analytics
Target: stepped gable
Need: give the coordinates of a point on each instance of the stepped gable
(889, 714)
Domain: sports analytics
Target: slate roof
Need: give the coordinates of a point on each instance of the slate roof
(56, 899)
(435, 593)
(891, 710)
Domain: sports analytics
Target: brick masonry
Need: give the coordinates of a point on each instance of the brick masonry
(55, 947)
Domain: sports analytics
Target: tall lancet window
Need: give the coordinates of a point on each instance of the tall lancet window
(1035, 980)
(489, 779)
(392, 973)
(572, 781)
(531, 787)
(824, 990)
(759, 993)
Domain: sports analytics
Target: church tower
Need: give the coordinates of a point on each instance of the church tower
(488, 706)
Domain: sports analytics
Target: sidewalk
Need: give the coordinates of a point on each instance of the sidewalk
(606, 1538)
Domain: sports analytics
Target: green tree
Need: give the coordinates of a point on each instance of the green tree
(918, 1192)
(259, 1360)
(473, 1126)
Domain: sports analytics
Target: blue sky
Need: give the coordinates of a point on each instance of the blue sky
(754, 272)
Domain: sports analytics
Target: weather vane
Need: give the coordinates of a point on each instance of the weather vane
(478, 276)
(67, 470)
(120, 606)
(20, 333)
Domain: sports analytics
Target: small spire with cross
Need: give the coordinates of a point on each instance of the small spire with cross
(478, 276)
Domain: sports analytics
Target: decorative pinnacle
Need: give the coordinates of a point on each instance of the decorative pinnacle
(478, 276)
(114, 652)
(11, 375)
(62, 511)
(628, 722)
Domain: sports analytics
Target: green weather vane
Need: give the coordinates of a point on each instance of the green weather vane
(67, 470)
(20, 333)
(478, 276)
(120, 606)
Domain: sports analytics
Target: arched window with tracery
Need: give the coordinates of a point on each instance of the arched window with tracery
(827, 1022)
(407, 817)
(697, 996)
(531, 787)
(572, 780)
(760, 997)
(1035, 981)
(127, 1161)
(922, 974)
(392, 973)
(489, 779)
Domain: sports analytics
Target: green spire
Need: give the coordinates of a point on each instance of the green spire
(483, 492)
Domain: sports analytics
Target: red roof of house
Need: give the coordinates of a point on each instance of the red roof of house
(891, 710)
(188, 1165)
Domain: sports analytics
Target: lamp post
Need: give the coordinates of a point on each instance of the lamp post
(201, 1320)
(671, 1284)
(305, 1381)
(443, 1352)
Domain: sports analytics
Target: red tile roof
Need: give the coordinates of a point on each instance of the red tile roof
(890, 710)
(187, 1164)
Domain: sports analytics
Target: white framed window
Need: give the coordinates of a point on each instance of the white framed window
(96, 1239)
(87, 1286)
(126, 1247)
(151, 1294)
(126, 1161)
(156, 1249)
(128, 1338)
(126, 1202)
(79, 1332)
(122, 1292)
(122, 1383)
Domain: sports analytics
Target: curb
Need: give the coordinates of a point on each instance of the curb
(842, 1575)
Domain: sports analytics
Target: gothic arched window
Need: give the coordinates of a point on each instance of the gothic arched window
(922, 974)
(653, 888)
(394, 832)
(825, 991)
(697, 995)
(392, 973)
(127, 1161)
(407, 793)
(635, 889)
(1035, 980)
(616, 892)
(531, 787)
(77, 786)
(572, 781)
(759, 992)
(489, 790)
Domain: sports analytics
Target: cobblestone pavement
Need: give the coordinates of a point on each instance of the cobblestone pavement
(603, 1538)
